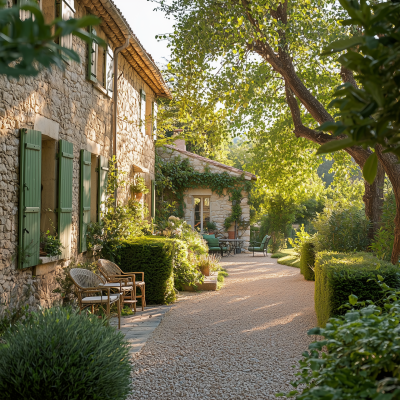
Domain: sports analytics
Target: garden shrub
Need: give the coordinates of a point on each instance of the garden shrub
(358, 356)
(382, 244)
(341, 230)
(59, 354)
(339, 275)
(164, 262)
(307, 261)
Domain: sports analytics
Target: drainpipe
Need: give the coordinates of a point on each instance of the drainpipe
(115, 108)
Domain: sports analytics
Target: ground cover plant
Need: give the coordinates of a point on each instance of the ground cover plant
(287, 257)
(339, 275)
(59, 354)
(358, 355)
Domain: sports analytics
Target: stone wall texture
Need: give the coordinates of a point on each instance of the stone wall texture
(220, 206)
(83, 113)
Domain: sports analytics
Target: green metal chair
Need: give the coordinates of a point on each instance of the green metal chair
(262, 248)
(214, 245)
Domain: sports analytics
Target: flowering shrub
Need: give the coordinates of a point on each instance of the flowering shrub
(180, 229)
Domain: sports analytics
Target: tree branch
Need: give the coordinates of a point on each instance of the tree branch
(347, 76)
(359, 154)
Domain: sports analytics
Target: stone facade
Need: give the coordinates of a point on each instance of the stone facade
(220, 206)
(65, 105)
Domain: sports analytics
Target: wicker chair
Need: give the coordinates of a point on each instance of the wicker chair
(112, 273)
(89, 289)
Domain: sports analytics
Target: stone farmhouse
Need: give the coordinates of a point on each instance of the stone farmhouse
(202, 204)
(57, 133)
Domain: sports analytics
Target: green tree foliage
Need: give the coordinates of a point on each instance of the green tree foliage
(369, 115)
(29, 46)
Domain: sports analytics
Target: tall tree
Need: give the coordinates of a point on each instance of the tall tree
(254, 58)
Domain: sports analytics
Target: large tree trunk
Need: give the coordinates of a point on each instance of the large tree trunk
(373, 200)
(392, 168)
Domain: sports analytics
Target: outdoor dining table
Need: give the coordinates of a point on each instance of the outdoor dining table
(232, 245)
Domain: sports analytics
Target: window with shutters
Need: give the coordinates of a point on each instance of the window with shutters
(101, 65)
(65, 10)
(142, 122)
(23, 14)
(154, 110)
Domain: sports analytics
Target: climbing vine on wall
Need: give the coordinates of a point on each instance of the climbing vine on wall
(175, 176)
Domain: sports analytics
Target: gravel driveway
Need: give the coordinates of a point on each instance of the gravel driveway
(237, 343)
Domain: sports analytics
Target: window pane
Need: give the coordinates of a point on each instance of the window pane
(206, 211)
(197, 212)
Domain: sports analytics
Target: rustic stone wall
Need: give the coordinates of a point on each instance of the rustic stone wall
(220, 206)
(82, 114)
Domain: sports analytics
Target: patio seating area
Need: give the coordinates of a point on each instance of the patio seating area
(113, 287)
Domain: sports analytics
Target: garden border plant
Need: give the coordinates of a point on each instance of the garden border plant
(177, 175)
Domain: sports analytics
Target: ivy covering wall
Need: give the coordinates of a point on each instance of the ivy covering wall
(175, 176)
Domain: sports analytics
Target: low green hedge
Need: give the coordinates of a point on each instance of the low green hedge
(307, 261)
(153, 256)
(339, 275)
(165, 264)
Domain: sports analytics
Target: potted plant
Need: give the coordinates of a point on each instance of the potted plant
(50, 246)
(138, 188)
(211, 227)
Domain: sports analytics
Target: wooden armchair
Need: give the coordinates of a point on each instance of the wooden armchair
(89, 289)
(262, 246)
(113, 274)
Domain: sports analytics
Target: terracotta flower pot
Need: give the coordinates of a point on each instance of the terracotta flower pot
(231, 234)
(138, 196)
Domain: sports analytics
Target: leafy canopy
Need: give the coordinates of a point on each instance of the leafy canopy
(369, 115)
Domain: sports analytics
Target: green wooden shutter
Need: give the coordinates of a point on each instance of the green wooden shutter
(92, 58)
(103, 176)
(65, 172)
(142, 111)
(84, 198)
(153, 199)
(29, 198)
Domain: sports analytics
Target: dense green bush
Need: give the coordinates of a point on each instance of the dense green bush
(307, 260)
(164, 262)
(341, 230)
(339, 275)
(58, 354)
(382, 245)
(358, 357)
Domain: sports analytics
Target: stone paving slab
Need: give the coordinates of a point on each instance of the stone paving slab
(139, 327)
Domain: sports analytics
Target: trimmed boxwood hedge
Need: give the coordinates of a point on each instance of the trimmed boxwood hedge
(339, 275)
(153, 256)
(307, 261)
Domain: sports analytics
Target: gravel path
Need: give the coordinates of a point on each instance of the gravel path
(237, 343)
